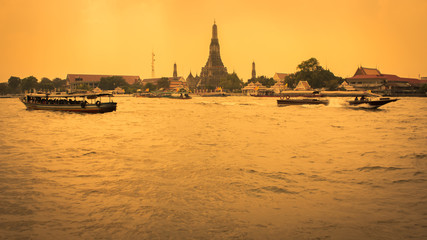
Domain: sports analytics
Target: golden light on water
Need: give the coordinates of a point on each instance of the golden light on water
(49, 38)
(237, 167)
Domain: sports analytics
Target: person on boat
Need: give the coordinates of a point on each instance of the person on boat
(356, 99)
(362, 98)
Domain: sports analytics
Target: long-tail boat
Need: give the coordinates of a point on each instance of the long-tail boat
(84, 103)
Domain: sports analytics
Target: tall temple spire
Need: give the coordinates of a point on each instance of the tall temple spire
(214, 31)
(214, 69)
(253, 70)
(175, 73)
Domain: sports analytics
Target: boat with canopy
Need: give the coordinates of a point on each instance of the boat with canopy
(84, 103)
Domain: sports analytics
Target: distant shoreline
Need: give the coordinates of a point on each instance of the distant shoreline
(335, 94)
(284, 93)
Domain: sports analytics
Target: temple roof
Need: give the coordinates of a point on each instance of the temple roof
(190, 75)
(367, 71)
(281, 76)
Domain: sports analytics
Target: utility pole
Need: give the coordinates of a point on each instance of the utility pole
(152, 65)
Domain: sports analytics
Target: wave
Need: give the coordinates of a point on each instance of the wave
(410, 181)
(415, 156)
(278, 190)
(337, 102)
(373, 168)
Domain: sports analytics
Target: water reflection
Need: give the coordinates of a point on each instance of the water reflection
(235, 167)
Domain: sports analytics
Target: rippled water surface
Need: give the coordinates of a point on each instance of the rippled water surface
(214, 168)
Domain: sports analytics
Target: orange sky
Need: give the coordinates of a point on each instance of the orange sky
(51, 38)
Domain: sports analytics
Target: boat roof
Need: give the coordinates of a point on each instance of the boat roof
(72, 95)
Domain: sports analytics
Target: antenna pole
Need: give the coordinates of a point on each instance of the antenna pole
(152, 65)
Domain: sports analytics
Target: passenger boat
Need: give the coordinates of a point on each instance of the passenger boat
(70, 102)
(364, 102)
(306, 101)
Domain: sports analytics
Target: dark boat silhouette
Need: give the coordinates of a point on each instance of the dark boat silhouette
(370, 103)
(305, 101)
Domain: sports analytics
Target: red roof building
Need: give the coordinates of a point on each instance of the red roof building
(373, 79)
(92, 80)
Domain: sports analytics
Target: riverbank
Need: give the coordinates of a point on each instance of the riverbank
(334, 94)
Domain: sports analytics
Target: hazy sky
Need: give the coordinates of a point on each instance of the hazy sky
(51, 38)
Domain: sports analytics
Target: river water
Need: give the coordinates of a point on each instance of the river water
(214, 168)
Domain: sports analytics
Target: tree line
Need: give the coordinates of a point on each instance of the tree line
(318, 77)
(309, 70)
(16, 85)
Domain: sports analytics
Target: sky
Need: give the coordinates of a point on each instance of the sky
(53, 38)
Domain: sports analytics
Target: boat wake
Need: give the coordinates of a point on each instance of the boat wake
(337, 102)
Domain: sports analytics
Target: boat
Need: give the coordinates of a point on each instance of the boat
(213, 95)
(306, 101)
(173, 95)
(180, 96)
(285, 101)
(70, 102)
(144, 94)
(365, 102)
(265, 94)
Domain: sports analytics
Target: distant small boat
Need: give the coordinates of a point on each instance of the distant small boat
(306, 101)
(181, 96)
(265, 94)
(214, 94)
(172, 95)
(144, 94)
(70, 102)
(370, 103)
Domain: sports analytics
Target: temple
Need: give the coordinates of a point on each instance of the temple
(214, 70)
(253, 70)
(175, 72)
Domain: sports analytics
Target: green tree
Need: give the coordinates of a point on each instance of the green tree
(46, 85)
(150, 86)
(231, 83)
(14, 83)
(110, 83)
(291, 80)
(265, 81)
(29, 83)
(60, 84)
(333, 84)
(309, 65)
(131, 88)
(4, 88)
(163, 83)
(311, 71)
